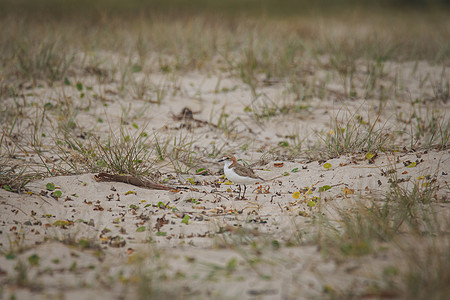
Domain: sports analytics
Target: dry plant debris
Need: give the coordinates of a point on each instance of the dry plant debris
(111, 128)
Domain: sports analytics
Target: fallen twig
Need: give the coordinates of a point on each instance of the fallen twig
(131, 179)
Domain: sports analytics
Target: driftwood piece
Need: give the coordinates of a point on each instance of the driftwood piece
(187, 115)
(131, 179)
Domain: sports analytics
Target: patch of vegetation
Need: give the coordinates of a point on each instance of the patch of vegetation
(359, 230)
(120, 154)
(354, 135)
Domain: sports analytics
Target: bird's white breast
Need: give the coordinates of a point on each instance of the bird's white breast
(235, 178)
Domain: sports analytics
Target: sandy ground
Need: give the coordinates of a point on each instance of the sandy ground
(114, 240)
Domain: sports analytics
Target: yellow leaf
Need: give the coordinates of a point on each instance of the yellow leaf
(132, 258)
(228, 182)
(420, 177)
(348, 191)
(369, 155)
(411, 165)
(130, 192)
(61, 223)
(296, 195)
(327, 165)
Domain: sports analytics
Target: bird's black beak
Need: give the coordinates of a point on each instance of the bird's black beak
(222, 159)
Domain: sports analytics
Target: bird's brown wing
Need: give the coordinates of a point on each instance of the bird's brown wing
(243, 171)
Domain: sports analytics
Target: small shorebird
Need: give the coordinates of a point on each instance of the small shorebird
(238, 174)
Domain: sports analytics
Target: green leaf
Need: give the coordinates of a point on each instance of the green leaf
(6, 187)
(231, 265)
(247, 109)
(284, 144)
(390, 271)
(275, 244)
(84, 243)
(50, 186)
(161, 233)
(10, 256)
(327, 165)
(135, 125)
(73, 266)
(48, 105)
(324, 188)
(66, 81)
(33, 260)
(311, 203)
(200, 171)
(134, 206)
(295, 170)
(136, 68)
(286, 174)
(161, 204)
(140, 229)
(100, 120)
(185, 219)
(79, 86)
(147, 205)
(57, 194)
(191, 181)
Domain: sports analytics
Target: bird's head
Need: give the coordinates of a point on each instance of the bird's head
(227, 158)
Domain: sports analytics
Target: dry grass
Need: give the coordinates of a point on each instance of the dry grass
(90, 58)
(50, 51)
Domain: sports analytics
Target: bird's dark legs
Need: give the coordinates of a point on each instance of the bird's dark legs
(245, 188)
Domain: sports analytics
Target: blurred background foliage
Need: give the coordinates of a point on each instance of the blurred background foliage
(40, 39)
(268, 8)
